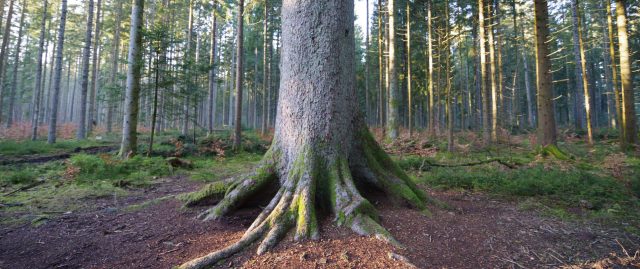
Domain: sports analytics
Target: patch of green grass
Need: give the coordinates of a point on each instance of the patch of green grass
(28, 147)
(25, 174)
(135, 171)
(209, 169)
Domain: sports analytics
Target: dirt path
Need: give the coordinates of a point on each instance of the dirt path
(150, 230)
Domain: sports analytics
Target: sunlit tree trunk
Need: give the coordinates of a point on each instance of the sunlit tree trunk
(409, 103)
(129, 144)
(629, 127)
(432, 115)
(493, 74)
(486, 128)
(381, 85)
(546, 116)
(265, 68)
(393, 116)
(55, 100)
(581, 69)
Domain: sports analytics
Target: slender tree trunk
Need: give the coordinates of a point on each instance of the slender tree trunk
(188, 67)
(55, 102)
(447, 63)
(432, 114)
(129, 143)
(614, 69)
(581, 70)
(91, 118)
(237, 141)
(486, 129)
(546, 116)
(114, 66)
(155, 106)
(629, 127)
(212, 71)
(409, 101)
(37, 89)
(381, 86)
(84, 85)
(16, 63)
(367, 104)
(265, 74)
(393, 118)
(4, 55)
(493, 74)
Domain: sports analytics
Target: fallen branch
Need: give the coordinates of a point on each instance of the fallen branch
(434, 164)
(24, 188)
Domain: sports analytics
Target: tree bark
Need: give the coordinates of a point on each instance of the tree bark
(581, 69)
(37, 89)
(92, 118)
(629, 127)
(114, 66)
(393, 117)
(409, 101)
(265, 68)
(84, 85)
(322, 148)
(237, 138)
(492, 73)
(486, 128)
(546, 116)
(55, 102)
(135, 63)
(212, 72)
(432, 115)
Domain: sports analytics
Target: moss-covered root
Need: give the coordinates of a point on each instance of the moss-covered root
(237, 192)
(388, 176)
(212, 191)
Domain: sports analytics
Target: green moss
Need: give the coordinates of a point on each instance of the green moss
(214, 190)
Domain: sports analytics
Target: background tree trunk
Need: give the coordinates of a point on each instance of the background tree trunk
(129, 143)
(393, 116)
(237, 138)
(629, 127)
(16, 64)
(37, 89)
(55, 102)
(84, 85)
(4, 55)
(91, 117)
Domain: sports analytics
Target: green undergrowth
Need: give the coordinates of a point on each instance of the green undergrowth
(28, 147)
(575, 182)
(139, 170)
(209, 169)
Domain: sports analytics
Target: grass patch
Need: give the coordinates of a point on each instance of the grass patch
(209, 169)
(28, 147)
(138, 170)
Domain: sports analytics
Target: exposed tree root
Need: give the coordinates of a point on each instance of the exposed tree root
(310, 182)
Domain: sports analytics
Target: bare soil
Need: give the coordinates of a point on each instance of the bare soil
(149, 229)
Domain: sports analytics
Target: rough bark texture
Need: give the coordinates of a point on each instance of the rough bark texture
(546, 117)
(486, 128)
(492, 73)
(212, 72)
(114, 66)
(55, 98)
(629, 127)
(322, 148)
(432, 115)
(134, 72)
(614, 69)
(265, 80)
(84, 85)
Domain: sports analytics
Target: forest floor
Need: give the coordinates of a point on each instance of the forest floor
(92, 211)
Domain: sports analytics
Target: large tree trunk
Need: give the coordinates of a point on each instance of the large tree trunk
(92, 118)
(16, 64)
(546, 115)
(614, 69)
(322, 149)
(237, 138)
(84, 85)
(134, 72)
(630, 130)
(55, 103)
